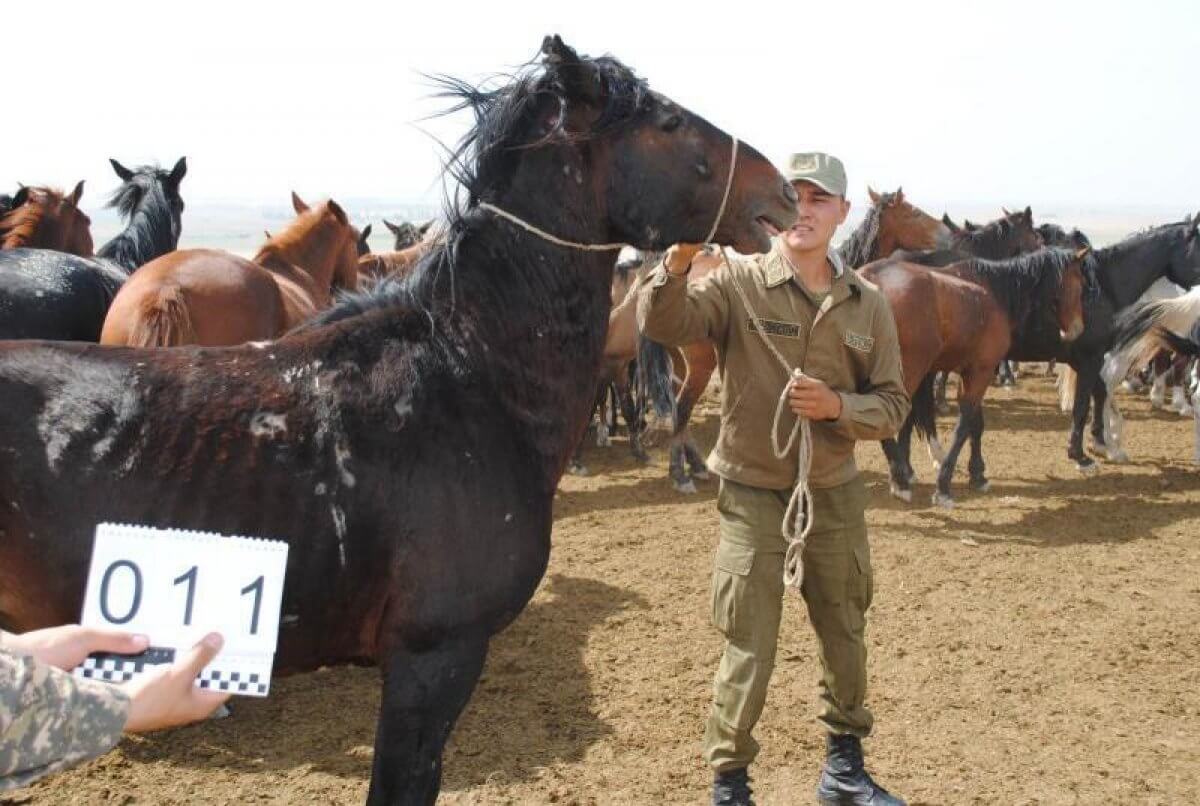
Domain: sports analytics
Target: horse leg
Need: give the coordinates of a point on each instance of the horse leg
(939, 393)
(962, 432)
(678, 468)
(603, 431)
(1086, 376)
(633, 419)
(900, 487)
(1158, 390)
(975, 466)
(423, 695)
(697, 467)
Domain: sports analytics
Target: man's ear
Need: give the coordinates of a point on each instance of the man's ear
(845, 210)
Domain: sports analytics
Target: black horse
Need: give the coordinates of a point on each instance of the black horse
(53, 295)
(1122, 274)
(419, 431)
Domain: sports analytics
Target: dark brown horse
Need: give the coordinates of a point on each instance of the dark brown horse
(406, 233)
(45, 218)
(407, 444)
(964, 318)
(205, 296)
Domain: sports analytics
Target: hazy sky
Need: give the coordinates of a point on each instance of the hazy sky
(1083, 103)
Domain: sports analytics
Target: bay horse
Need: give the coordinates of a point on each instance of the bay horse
(965, 318)
(408, 442)
(891, 223)
(1124, 271)
(47, 294)
(45, 218)
(210, 297)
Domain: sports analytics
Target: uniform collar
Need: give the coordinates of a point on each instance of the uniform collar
(777, 271)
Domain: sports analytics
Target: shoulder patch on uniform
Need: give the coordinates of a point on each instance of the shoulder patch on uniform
(855, 341)
(788, 330)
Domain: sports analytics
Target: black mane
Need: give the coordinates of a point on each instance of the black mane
(990, 239)
(481, 165)
(1020, 284)
(153, 228)
(859, 245)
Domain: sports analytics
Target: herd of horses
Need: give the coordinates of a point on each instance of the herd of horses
(403, 419)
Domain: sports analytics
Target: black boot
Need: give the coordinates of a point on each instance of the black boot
(732, 788)
(844, 780)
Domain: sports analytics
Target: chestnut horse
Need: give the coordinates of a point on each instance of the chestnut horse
(205, 296)
(418, 432)
(891, 223)
(44, 218)
(964, 318)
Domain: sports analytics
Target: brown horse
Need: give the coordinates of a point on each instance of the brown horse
(890, 224)
(44, 218)
(205, 296)
(964, 318)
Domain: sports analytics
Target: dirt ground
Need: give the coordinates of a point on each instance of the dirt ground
(1037, 644)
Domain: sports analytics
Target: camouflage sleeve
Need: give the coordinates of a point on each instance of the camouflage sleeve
(50, 720)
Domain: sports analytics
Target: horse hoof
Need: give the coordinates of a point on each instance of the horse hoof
(221, 713)
(903, 495)
(641, 456)
(1118, 456)
(700, 475)
(685, 487)
(578, 470)
(943, 500)
(981, 486)
(1088, 468)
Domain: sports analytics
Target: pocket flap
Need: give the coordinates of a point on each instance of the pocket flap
(734, 559)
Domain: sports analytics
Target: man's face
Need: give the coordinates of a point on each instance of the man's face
(820, 214)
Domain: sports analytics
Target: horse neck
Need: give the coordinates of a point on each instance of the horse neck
(150, 233)
(304, 265)
(1128, 268)
(988, 245)
(862, 246)
(533, 314)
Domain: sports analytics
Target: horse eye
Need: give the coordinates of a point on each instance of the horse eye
(672, 123)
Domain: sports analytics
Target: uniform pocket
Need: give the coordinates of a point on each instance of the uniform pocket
(732, 604)
(864, 590)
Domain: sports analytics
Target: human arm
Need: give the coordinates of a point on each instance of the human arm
(673, 311)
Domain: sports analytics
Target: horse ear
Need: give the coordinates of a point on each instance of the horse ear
(76, 194)
(179, 171)
(1028, 214)
(577, 76)
(395, 228)
(424, 228)
(298, 204)
(1005, 211)
(21, 196)
(338, 212)
(899, 195)
(366, 233)
(969, 225)
(122, 172)
(950, 225)
(874, 196)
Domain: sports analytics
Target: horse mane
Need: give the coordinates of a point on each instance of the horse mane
(1017, 283)
(1107, 254)
(1054, 235)
(18, 224)
(858, 247)
(485, 157)
(152, 230)
(279, 245)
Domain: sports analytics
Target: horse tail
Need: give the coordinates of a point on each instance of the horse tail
(924, 409)
(1066, 388)
(1182, 345)
(1137, 336)
(654, 370)
(164, 320)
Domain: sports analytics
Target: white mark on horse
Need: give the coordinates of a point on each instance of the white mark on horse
(268, 425)
(320, 489)
(341, 454)
(403, 408)
(339, 528)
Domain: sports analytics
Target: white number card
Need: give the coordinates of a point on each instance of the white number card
(177, 586)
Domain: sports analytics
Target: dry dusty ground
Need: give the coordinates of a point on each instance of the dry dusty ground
(1038, 644)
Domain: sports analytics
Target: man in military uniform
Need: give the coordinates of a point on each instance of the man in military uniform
(50, 720)
(839, 331)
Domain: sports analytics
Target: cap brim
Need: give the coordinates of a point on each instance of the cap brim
(822, 184)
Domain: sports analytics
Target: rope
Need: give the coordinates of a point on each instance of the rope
(798, 517)
(609, 247)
